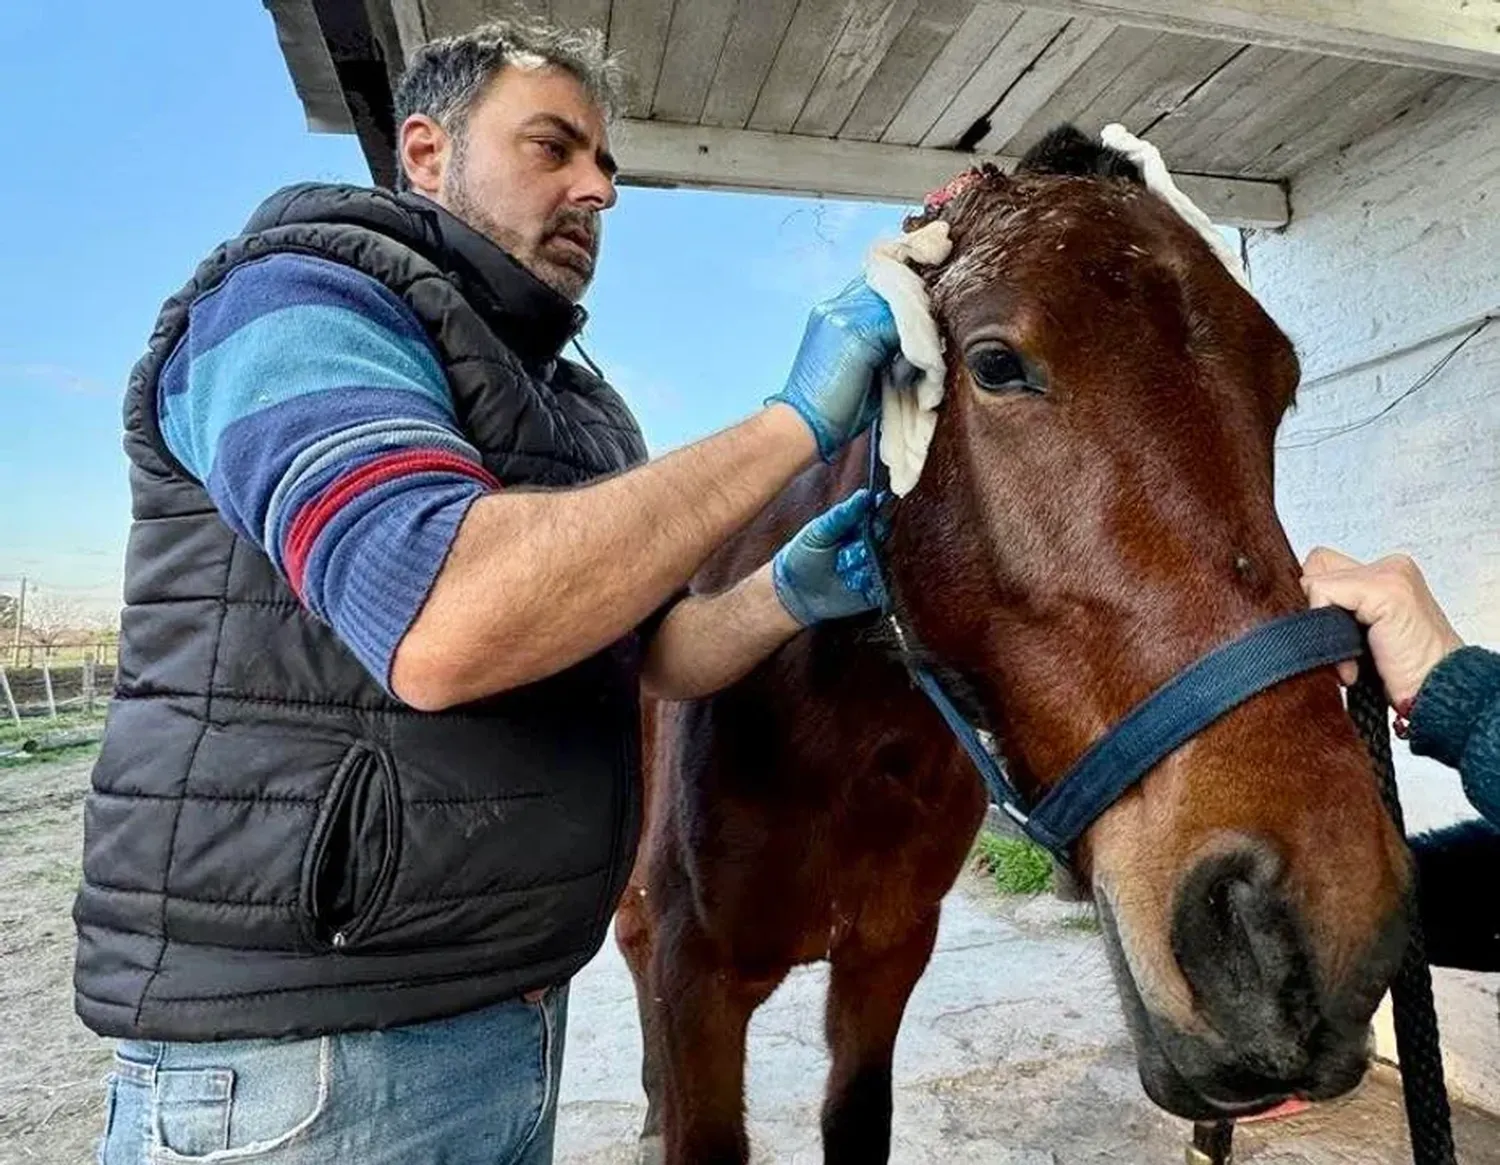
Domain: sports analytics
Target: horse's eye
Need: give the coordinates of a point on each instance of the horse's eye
(996, 368)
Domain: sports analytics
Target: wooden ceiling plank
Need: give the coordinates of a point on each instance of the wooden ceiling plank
(1366, 98)
(452, 17)
(1455, 36)
(1123, 48)
(638, 35)
(754, 39)
(1212, 107)
(411, 25)
(695, 42)
(809, 40)
(903, 67)
(966, 51)
(1245, 104)
(860, 49)
(1018, 49)
(1285, 113)
(581, 14)
(1059, 61)
(1175, 67)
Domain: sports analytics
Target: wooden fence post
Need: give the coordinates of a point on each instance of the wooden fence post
(10, 701)
(88, 684)
(47, 681)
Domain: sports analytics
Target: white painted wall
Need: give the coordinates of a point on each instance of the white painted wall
(1392, 258)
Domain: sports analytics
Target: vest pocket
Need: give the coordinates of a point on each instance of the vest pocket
(351, 859)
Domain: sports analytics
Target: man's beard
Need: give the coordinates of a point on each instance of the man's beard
(567, 279)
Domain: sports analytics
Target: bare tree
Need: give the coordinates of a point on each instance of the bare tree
(54, 620)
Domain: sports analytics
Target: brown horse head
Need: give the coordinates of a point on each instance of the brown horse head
(1096, 513)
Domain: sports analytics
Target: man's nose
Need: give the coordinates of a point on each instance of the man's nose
(594, 188)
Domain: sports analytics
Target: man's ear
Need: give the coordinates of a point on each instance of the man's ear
(424, 153)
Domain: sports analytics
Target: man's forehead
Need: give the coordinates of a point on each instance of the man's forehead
(522, 92)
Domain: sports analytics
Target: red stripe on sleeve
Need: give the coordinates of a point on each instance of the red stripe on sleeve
(317, 513)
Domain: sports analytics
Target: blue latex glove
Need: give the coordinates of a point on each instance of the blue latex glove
(825, 571)
(848, 340)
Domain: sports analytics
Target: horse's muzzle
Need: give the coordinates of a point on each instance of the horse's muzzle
(1266, 1028)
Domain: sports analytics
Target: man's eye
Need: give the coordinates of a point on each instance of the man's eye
(554, 149)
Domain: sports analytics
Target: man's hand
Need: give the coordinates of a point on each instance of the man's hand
(707, 642)
(848, 340)
(1409, 634)
(825, 571)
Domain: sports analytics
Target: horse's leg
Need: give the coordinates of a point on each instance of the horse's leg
(705, 1010)
(867, 995)
(633, 935)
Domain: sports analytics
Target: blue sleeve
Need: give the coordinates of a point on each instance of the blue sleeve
(1456, 719)
(307, 399)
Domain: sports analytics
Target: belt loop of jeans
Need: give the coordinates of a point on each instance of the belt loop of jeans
(138, 1071)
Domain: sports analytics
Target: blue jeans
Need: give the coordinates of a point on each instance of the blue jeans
(477, 1089)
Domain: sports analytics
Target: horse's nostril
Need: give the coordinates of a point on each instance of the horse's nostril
(1241, 950)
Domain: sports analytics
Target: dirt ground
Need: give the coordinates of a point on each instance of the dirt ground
(52, 1068)
(1013, 1052)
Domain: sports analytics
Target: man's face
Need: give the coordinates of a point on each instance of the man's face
(532, 171)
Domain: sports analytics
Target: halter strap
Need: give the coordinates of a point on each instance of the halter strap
(1184, 706)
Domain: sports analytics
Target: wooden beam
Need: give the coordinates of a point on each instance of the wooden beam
(312, 70)
(658, 154)
(1451, 36)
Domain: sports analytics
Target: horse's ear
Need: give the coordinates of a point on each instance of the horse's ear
(1068, 150)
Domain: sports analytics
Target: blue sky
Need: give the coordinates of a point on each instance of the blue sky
(140, 142)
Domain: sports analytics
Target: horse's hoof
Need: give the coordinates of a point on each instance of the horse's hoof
(651, 1151)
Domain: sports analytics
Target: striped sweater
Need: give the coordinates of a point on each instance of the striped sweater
(308, 401)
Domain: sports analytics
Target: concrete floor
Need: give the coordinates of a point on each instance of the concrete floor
(1013, 1053)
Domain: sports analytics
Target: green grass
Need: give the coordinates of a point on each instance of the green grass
(34, 726)
(1018, 867)
(51, 756)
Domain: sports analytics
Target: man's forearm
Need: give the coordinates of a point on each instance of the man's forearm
(537, 581)
(709, 641)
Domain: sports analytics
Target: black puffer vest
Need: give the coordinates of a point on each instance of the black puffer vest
(275, 846)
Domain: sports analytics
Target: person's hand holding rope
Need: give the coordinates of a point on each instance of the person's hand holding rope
(1409, 634)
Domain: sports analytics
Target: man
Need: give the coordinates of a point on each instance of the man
(369, 791)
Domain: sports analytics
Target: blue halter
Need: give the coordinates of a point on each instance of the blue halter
(1181, 708)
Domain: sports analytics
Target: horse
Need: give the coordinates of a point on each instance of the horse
(1095, 512)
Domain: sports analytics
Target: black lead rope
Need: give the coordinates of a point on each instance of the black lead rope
(1427, 1113)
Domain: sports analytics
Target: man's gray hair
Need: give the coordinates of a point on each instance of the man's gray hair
(445, 77)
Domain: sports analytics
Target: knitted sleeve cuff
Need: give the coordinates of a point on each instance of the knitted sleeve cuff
(1461, 697)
